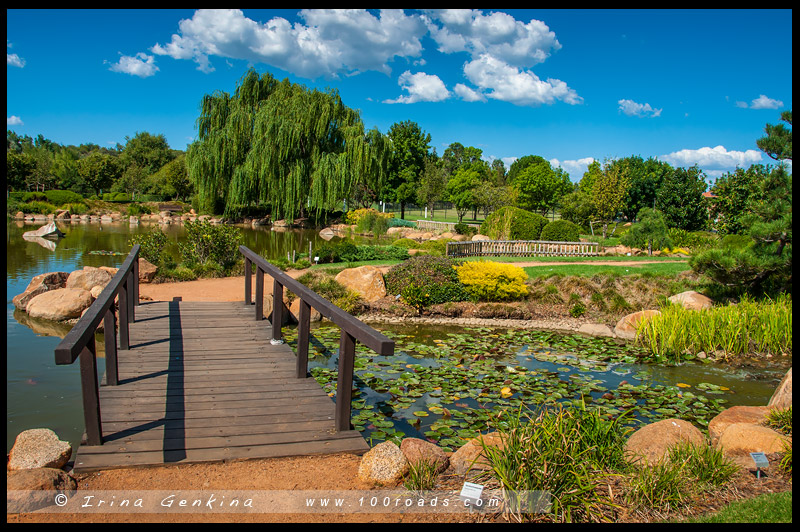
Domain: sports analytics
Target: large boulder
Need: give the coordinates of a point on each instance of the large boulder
(692, 300)
(652, 442)
(596, 329)
(294, 308)
(38, 448)
(421, 451)
(626, 327)
(60, 304)
(782, 398)
(383, 465)
(741, 439)
(39, 285)
(471, 456)
(286, 315)
(479, 236)
(147, 270)
(732, 415)
(88, 278)
(366, 280)
(28, 490)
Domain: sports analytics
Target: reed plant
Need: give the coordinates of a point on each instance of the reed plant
(422, 476)
(704, 464)
(763, 327)
(566, 452)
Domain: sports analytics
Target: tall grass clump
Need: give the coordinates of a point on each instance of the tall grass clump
(566, 452)
(763, 327)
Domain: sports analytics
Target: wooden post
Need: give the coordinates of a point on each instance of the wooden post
(131, 291)
(303, 331)
(135, 297)
(91, 395)
(259, 293)
(248, 280)
(110, 336)
(344, 382)
(124, 342)
(277, 311)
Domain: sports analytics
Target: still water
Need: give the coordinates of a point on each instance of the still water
(41, 394)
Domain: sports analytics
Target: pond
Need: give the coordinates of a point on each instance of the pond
(447, 384)
(443, 382)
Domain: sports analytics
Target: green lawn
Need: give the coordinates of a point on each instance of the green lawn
(588, 270)
(768, 508)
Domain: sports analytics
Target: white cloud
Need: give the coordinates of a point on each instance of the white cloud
(421, 87)
(467, 94)
(333, 41)
(520, 87)
(13, 59)
(141, 65)
(497, 34)
(717, 157)
(575, 168)
(501, 49)
(631, 108)
(14, 120)
(763, 102)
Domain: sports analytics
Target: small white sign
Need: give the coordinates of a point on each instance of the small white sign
(471, 491)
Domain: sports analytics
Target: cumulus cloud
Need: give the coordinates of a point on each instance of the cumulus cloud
(13, 59)
(332, 41)
(467, 94)
(502, 50)
(762, 102)
(14, 120)
(715, 158)
(575, 168)
(501, 81)
(141, 65)
(421, 87)
(631, 108)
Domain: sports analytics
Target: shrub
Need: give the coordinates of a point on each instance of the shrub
(406, 243)
(76, 208)
(38, 207)
(343, 251)
(577, 310)
(60, 197)
(354, 217)
(464, 229)
(372, 222)
(34, 196)
(136, 209)
(399, 222)
(437, 274)
(151, 244)
(512, 223)
(205, 241)
(181, 273)
(492, 281)
(561, 231)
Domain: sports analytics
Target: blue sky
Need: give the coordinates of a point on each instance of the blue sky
(685, 86)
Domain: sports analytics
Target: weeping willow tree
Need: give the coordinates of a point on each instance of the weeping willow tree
(281, 144)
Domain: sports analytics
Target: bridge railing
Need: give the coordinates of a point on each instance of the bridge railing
(522, 248)
(79, 341)
(352, 329)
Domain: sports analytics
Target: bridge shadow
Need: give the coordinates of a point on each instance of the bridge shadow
(175, 426)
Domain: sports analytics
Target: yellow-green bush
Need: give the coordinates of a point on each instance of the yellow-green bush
(353, 217)
(492, 281)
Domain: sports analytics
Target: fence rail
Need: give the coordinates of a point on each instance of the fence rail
(522, 248)
(352, 328)
(430, 225)
(79, 341)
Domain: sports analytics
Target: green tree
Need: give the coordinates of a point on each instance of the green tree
(646, 178)
(586, 183)
(172, 179)
(280, 144)
(410, 146)
(147, 151)
(578, 208)
(540, 186)
(680, 198)
(764, 264)
(651, 231)
(99, 171)
(608, 194)
(19, 168)
(461, 189)
(733, 191)
(433, 183)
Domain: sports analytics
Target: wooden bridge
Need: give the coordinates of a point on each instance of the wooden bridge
(189, 382)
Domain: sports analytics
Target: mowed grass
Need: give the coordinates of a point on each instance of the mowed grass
(768, 508)
(589, 270)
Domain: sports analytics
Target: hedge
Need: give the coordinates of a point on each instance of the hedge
(512, 223)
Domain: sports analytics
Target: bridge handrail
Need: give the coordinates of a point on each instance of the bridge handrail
(79, 341)
(352, 328)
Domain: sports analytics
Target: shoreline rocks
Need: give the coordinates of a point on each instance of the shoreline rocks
(35, 448)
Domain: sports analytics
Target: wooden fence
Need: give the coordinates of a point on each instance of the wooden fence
(522, 248)
(429, 225)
